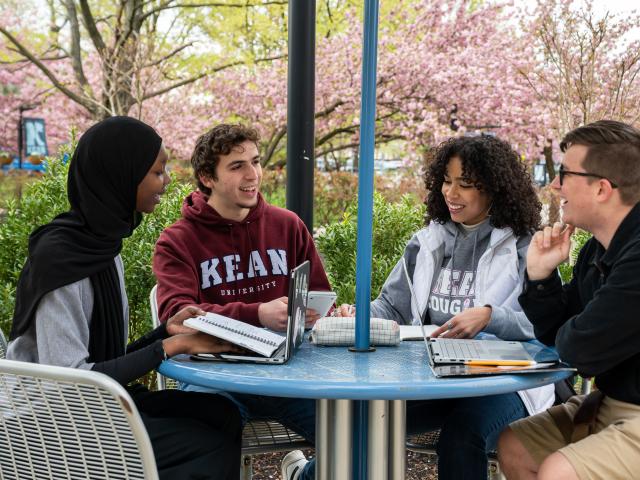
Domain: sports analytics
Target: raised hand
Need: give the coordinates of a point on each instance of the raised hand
(548, 249)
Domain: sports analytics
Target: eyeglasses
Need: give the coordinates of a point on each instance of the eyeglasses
(562, 172)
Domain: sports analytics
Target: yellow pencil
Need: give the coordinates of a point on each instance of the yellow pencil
(490, 363)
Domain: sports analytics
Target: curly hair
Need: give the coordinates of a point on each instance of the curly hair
(220, 140)
(493, 167)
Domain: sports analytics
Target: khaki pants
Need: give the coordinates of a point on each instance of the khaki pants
(611, 451)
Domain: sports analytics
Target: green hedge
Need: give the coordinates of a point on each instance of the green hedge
(393, 225)
(578, 240)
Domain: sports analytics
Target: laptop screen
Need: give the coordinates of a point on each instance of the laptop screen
(297, 306)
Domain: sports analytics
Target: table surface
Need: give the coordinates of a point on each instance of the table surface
(389, 373)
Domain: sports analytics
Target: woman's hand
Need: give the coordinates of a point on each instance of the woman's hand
(175, 324)
(345, 310)
(466, 324)
(199, 342)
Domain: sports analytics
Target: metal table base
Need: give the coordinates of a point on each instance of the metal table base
(385, 440)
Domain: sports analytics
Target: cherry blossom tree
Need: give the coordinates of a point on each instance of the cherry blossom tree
(135, 55)
(432, 56)
(586, 67)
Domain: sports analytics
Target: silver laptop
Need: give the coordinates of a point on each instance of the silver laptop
(296, 313)
(444, 351)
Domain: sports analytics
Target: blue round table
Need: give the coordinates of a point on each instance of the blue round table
(335, 377)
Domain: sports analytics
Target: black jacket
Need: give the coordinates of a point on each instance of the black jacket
(594, 321)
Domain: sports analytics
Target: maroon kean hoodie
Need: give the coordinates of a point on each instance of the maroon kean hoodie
(230, 267)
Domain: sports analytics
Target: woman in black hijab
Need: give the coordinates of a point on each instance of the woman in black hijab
(71, 305)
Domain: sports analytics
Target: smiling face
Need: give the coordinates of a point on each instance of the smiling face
(576, 191)
(466, 203)
(239, 175)
(153, 185)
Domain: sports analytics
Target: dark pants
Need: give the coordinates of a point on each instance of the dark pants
(469, 429)
(195, 436)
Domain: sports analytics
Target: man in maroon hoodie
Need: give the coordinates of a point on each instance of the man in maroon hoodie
(231, 253)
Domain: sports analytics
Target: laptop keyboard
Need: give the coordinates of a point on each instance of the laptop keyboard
(459, 349)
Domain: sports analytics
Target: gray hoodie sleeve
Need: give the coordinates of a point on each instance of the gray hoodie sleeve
(62, 325)
(510, 323)
(394, 301)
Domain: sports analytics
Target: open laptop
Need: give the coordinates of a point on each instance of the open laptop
(446, 351)
(296, 313)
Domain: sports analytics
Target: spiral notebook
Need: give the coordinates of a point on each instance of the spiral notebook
(269, 346)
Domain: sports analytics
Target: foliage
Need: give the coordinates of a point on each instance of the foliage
(12, 183)
(578, 240)
(40, 202)
(393, 225)
(137, 254)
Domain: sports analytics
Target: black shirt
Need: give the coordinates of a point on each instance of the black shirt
(594, 321)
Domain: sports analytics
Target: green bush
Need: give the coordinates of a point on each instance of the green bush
(578, 240)
(41, 201)
(393, 225)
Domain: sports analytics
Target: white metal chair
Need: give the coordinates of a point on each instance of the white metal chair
(66, 423)
(258, 436)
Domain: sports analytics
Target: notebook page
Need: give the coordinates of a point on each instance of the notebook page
(253, 338)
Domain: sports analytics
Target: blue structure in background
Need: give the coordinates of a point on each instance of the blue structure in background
(15, 165)
(35, 138)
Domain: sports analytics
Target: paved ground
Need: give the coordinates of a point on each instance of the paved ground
(267, 467)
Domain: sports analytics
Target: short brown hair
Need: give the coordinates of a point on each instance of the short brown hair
(613, 151)
(220, 140)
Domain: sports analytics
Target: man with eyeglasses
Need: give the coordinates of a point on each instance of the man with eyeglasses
(592, 321)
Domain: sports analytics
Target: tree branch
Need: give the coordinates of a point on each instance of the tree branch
(167, 56)
(89, 104)
(195, 78)
(167, 6)
(24, 60)
(273, 144)
(90, 25)
(76, 51)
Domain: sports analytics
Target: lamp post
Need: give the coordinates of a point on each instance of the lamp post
(22, 108)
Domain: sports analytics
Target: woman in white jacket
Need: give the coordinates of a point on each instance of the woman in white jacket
(464, 272)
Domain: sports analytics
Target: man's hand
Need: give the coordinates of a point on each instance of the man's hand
(273, 314)
(311, 318)
(548, 249)
(467, 324)
(175, 325)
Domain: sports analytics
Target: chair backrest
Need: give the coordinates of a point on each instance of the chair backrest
(68, 423)
(3, 345)
(153, 303)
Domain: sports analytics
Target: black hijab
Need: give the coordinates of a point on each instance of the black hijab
(111, 159)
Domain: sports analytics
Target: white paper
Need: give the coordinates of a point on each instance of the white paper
(414, 332)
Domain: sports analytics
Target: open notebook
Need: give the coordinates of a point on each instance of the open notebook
(269, 346)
